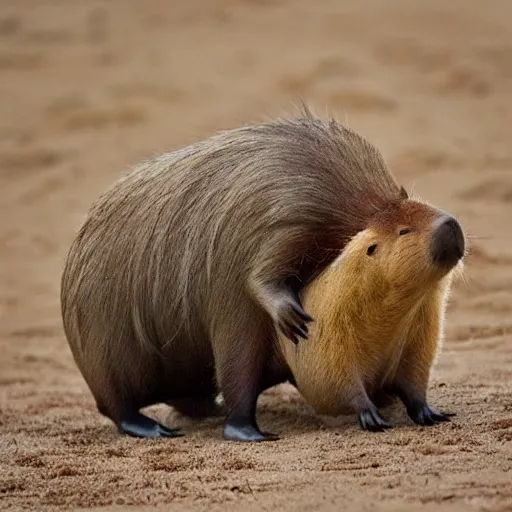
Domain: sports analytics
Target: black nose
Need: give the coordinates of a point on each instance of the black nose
(447, 242)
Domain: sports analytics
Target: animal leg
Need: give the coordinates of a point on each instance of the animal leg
(413, 395)
(417, 406)
(411, 381)
(122, 406)
(240, 369)
(368, 414)
(131, 422)
(274, 282)
(136, 424)
(280, 299)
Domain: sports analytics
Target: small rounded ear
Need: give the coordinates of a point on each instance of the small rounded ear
(403, 193)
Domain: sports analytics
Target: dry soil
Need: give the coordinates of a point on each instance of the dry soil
(87, 89)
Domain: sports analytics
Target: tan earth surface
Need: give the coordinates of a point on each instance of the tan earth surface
(88, 89)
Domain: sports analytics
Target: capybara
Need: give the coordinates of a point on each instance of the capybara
(379, 310)
(184, 270)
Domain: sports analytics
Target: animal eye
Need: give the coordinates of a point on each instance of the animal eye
(404, 231)
(371, 249)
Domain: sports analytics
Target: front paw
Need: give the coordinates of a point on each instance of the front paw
(424, 415)
(292, 320)
(371, 420)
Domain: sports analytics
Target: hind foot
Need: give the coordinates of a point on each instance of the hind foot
(244, 430)
(138, 425)
(423, 414)
(371, 420)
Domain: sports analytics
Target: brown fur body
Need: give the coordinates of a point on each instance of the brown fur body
(175, 283)
(378, 318)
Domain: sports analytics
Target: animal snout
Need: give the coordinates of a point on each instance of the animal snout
(447, 242)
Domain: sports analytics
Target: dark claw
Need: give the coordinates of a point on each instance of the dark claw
(245, 432)
(141, 426)
(440, 417)
(288, 332)
(293, 319)
(426, 416)
(371, 420)
(302, 314)
(300, 330)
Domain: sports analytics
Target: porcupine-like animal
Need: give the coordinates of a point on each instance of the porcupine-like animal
(186, 268)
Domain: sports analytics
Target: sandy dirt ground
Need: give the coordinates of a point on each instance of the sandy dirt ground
(87, 89)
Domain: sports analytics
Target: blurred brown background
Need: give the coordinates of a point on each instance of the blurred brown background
(87, 89)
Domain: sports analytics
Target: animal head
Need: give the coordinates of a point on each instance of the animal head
(407, 247)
